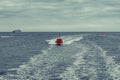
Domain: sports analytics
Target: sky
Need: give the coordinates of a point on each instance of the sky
(60, 15)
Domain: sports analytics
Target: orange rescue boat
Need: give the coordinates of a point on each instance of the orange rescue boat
(59, 41)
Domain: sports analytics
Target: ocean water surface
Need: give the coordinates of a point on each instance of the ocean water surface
(82, 56)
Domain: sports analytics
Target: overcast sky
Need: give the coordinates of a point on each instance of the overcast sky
(60, 15)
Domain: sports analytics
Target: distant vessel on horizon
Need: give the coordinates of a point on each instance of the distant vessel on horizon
(16, 31)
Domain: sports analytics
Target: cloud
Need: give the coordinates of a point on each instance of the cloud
(59, 8)
(12, 8)
(60, 12)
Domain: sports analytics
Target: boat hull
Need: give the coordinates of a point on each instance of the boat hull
(59, 41)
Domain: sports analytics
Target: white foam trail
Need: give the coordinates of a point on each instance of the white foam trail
(6, 36)
(113, 69)
(67, 39)
(32, 70)
(86, 65)
(69, 73)
(73, 72)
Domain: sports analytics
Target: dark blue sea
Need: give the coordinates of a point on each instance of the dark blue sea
(82, 56)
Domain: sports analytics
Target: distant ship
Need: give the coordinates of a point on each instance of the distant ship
(16, 31)
(59, 41)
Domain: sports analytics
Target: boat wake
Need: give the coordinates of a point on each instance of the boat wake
(92, 63)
